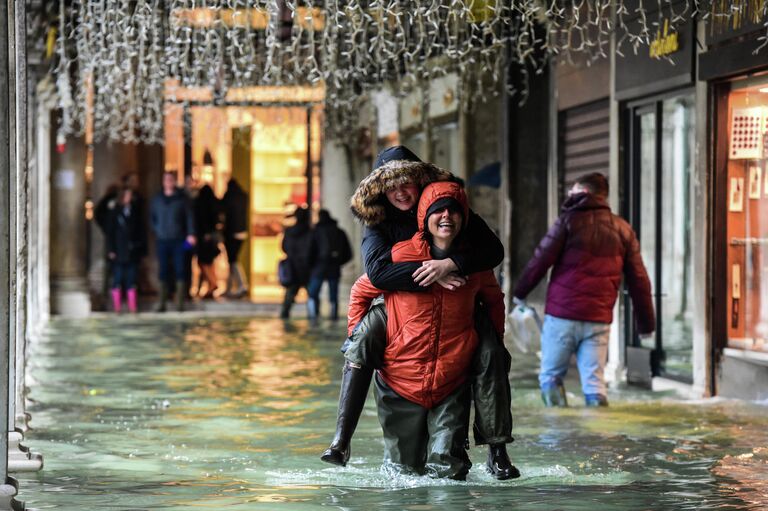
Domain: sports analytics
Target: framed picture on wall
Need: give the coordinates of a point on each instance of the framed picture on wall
(754, 181)
(736, 194)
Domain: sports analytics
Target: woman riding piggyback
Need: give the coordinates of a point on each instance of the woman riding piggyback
(422, 387)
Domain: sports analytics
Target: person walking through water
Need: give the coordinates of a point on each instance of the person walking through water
(331, 250)
(385, 202)
(589, 249)
(173, 223)
(207, 208)
(422, 387)
(297, 245)
(235, 203)
(126, 245)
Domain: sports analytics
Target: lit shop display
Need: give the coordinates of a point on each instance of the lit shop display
(747, 217)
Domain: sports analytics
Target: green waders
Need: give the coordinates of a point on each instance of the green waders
(422, 441)
(364, 350)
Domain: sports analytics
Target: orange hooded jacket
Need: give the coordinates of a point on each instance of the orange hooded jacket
(431, 336)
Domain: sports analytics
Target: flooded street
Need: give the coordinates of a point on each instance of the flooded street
(234, 413)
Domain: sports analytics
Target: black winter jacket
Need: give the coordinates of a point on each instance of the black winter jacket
(297, 245)
(486, 252)
(171, 216)
(126, 235)
(331, 249)
(206, 208)
(235, 202)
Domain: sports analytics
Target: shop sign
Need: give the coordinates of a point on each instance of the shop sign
(664, 44)
(728, 20)
(668, 62)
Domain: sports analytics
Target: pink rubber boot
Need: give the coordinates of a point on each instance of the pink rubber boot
(132, 303)
(116, 299)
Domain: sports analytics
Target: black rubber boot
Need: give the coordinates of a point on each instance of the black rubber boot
(354, 389)
(180, 295)
(161, 305)
(499, 464)
(334, 315)
(554, 396)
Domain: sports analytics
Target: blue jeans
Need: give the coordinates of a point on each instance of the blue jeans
(167, 251)
(123, 275)
(316, 283)
(562, 337)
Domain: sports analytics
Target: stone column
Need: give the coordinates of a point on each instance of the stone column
(40, 207)
(19, 457)
(70, 295)
(615, 370)
(703, 385)
(8, 172)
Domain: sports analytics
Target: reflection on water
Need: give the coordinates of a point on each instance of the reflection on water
(220, 413)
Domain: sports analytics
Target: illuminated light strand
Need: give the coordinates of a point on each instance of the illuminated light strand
(134, 50)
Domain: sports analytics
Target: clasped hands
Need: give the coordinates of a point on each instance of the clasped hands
(440, 271)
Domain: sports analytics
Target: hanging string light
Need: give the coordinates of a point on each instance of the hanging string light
(136, 50)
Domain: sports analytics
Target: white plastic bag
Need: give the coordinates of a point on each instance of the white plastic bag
(525, 328)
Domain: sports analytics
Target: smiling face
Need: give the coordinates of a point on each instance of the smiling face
(444, 225)
(404, 196)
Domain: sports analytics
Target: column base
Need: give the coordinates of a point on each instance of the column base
(70, 297)
(20, 458)
(8, 491)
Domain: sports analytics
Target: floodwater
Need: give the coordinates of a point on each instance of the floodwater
(179, 414)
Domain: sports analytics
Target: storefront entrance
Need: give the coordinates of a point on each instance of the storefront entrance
(658, 202)
(272, 150)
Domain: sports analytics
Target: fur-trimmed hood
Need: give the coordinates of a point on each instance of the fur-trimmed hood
(368, 203)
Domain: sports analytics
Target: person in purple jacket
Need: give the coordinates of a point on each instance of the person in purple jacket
(589, 249)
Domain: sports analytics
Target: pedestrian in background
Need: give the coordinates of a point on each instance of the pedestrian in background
(207, 208)
(173, 223)
(331, 250)
(297, 245)
(589, 249)
(235, 204)
(102, 213)
(190, 190)
(126, 245)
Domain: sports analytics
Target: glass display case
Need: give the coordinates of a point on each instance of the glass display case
(747, 216)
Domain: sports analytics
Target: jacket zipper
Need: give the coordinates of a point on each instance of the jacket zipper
(435, 342)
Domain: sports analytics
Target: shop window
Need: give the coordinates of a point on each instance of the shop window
(661, 156)
(747, 217)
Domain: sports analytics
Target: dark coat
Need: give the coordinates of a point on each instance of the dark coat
(590, 249)
(207, 210)
(171, 216)
(297, 245)
(126, 235)
(331, 249)
(102, 213)
(386, 225)
(235, 203)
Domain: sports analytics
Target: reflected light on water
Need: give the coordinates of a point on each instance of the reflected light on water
(234, 413)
